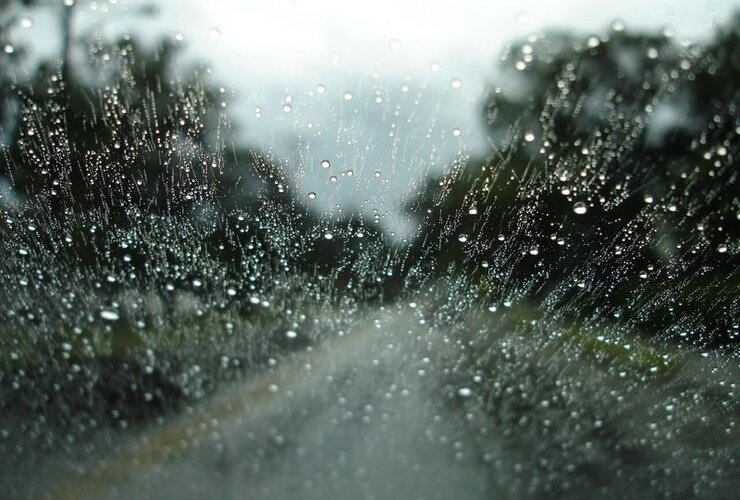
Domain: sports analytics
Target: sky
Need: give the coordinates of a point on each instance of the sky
(387, 90)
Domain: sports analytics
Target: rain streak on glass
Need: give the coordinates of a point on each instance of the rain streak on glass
(278, 250)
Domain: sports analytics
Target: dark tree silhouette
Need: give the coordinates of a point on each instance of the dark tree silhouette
(610, 153)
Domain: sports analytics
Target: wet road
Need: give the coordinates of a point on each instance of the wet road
(351, 418)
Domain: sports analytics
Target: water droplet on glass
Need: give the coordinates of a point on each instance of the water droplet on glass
(462, 238)
(214, 33)
(109, 315)
(455, 84)
(26, 22)
(325, 164)
(580, 208)
(311, 195)
(617, 26)
(347, 96)
(456, 132)
(328, 236)
(464, 392)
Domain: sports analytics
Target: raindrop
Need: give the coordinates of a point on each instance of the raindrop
(455, 84)
(462, 238)
(617, 26)
(311, 195)
(464, 392)
(109, 315)
(529, 137)
(291, 334)
(456, 132)
(347, 96)
(26, 22)
(328, 236)
(580, 208)
(325, 164)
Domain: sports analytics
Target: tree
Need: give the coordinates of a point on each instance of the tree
(610, 153)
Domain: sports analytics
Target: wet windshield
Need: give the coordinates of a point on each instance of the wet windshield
(377, 250)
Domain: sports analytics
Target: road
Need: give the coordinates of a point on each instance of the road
(355, 417)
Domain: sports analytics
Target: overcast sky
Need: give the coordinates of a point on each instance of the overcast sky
(388, 89)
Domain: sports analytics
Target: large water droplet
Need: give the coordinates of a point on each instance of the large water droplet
(109, 315)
